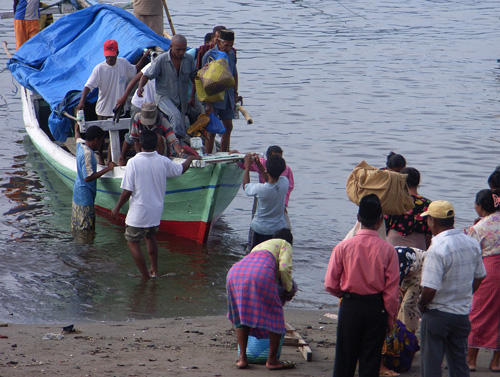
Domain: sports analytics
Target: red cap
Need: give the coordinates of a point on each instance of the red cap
(110, 48)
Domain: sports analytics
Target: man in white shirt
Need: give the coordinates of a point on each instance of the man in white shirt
(452, 271)
(144, 183)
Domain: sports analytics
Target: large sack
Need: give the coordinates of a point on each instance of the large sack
(389, 186)
(203, 96)
(216, 77)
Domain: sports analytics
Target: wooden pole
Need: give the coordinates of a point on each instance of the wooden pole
(245, 113)
(168, 17)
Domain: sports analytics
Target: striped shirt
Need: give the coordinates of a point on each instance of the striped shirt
(27, 10)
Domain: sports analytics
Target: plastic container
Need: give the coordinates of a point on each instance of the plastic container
(258, 349)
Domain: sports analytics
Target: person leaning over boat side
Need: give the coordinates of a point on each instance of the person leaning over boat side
(85, 186)
(485, 310)
(26, 20)
(150, 12)
(270, 214)
(144, 183)
(453, 269)
(254, 304)
(223, 109)
(173, 71)
(363, 270)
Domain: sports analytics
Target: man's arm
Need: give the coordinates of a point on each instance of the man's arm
(85, 92)
(16, 2)
(144, 79)
(475, 284)
(100, 173)
(261, 169)
(425, 298)
(124, 197)
(143, 61)
(186, 164)
(246, 175)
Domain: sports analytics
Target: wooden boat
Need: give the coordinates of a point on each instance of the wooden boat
(44, 68)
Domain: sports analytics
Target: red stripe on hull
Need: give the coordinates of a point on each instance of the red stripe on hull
(194, 230)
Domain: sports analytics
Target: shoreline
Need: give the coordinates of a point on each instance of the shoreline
(181, 346)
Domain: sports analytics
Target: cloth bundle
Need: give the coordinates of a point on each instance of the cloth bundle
(389, 186)
(400, 348)
(216, 77)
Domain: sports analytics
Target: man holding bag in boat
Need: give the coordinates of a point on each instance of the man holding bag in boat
(172, 71)
(144, 183)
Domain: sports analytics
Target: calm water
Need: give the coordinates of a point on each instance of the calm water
(333, 83)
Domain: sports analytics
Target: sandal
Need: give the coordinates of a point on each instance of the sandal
(284, 365)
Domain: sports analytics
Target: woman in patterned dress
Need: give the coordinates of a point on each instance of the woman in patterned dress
(485, 311)
(254, 304)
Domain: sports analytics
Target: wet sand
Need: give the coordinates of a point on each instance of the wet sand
(187, 346)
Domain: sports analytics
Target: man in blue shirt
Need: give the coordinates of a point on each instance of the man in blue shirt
(85, 187)
(26, 20)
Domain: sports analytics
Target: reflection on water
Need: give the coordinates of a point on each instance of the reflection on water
(332, 83)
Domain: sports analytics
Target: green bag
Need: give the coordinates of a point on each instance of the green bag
(216, 77)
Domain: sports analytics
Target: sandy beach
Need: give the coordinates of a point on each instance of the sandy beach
(184, 346)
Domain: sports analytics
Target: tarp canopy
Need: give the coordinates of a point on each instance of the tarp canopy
(60, 58)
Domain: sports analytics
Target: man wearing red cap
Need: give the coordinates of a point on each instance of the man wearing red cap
(111, 77)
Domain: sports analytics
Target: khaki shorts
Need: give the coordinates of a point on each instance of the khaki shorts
(134, 234)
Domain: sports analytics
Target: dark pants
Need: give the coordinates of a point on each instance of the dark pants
(444, 334)
(361, 332)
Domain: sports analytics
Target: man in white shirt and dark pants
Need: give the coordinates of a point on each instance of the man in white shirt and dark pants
(452, 271)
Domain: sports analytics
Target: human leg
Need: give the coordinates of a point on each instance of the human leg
(458, 328)
(174, 116)
(209, 143)
(242, 333)
(472, 357)
(140, 261)
(348, 339)
(274, 344)
(495, 362)
(226, 136)
(432, 334)
(372, 337)
(152, 247)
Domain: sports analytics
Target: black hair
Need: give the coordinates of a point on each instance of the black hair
(284, 234)
(395, 161)
(413, 179)
(208, 37)
(494, 179)
(272, 150)
(94, 132)
(445, 223)
(218, 28)
(148, 140)
(484, 198)
(275, 166)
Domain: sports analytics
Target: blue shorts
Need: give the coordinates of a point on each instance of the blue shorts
(225, 114)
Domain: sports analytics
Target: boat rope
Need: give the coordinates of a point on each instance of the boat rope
(357, 14)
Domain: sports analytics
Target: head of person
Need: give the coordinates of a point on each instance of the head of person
(275, 166)
(208, 38)
(395, 162)
(149, 113)
(111, 51)
(487, 202)
(148, 140)
(413, 179)
(370, 212)
(226, 40)
(494, 179)
(284, 234)
(216, 33)
(94, 137)
(440, 216)
(274, 150)
(178, 46)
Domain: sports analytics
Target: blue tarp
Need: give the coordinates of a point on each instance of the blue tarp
(60, 58)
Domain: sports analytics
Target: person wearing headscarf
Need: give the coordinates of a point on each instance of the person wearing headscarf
(254, 304)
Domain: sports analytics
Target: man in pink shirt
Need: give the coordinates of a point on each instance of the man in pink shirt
(363, 271)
